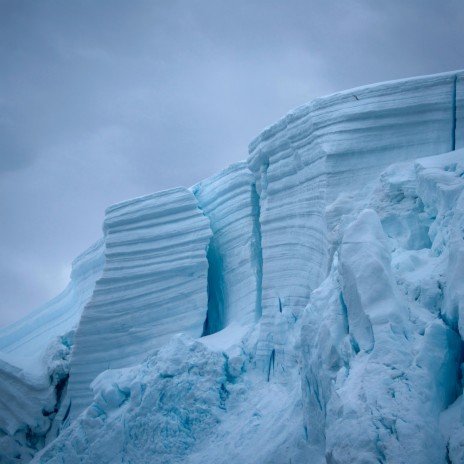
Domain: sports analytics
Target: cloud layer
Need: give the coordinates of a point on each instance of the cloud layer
(102, 101)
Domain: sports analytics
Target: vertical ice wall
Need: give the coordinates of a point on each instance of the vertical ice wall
(459, 111)
(152, 286)
(268, 225)
(290, 181)
(230, 201)
(335, 145)
(374, 126)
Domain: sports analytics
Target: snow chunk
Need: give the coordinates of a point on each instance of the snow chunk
(161, 408)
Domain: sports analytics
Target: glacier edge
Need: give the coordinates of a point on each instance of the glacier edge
(272, 261)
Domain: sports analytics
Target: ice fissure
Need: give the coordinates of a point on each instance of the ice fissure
(257, 254)
(453, 130)
(153, 285)
(304, 305)
(215, 317)
(230, 202)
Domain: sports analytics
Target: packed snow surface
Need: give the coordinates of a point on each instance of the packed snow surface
(304, 306)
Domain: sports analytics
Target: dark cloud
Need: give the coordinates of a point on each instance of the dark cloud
(15, 153)
(102, 101)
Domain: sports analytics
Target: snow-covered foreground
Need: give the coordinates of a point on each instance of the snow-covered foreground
(306, 306)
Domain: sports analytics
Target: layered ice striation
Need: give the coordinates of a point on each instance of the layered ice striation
(334, 146)
(230, 201)
(153, 285)
(381, 351)
(27, 339)
(333, 257)
(459, 111)
(34, 360)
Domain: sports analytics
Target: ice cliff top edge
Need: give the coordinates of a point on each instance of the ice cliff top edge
(246, 247)
(322, 126)
(353, 95)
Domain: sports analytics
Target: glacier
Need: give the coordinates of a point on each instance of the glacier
(153, 284)
(305, 305)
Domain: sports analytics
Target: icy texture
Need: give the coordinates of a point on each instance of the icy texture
(230, 202)
(454, 301)
(334, 144)
(29, 337)
(30, 400)
(332, 257)
(189, 403)
(459, 111)
(34, 360)
(153, 285)
(166, 404)
(379, 363)
(23, 397)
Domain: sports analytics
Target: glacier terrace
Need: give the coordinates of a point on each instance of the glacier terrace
(303, 306)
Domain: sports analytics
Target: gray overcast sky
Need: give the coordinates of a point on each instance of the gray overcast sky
(101, 101)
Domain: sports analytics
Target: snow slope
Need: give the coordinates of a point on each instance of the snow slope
(318, 287)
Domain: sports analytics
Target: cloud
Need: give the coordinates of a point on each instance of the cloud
(103, 101)
(15, 152)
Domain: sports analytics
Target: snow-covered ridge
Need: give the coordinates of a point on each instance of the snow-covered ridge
(279, 251)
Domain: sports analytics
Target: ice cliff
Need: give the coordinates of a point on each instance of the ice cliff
(304, 306)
